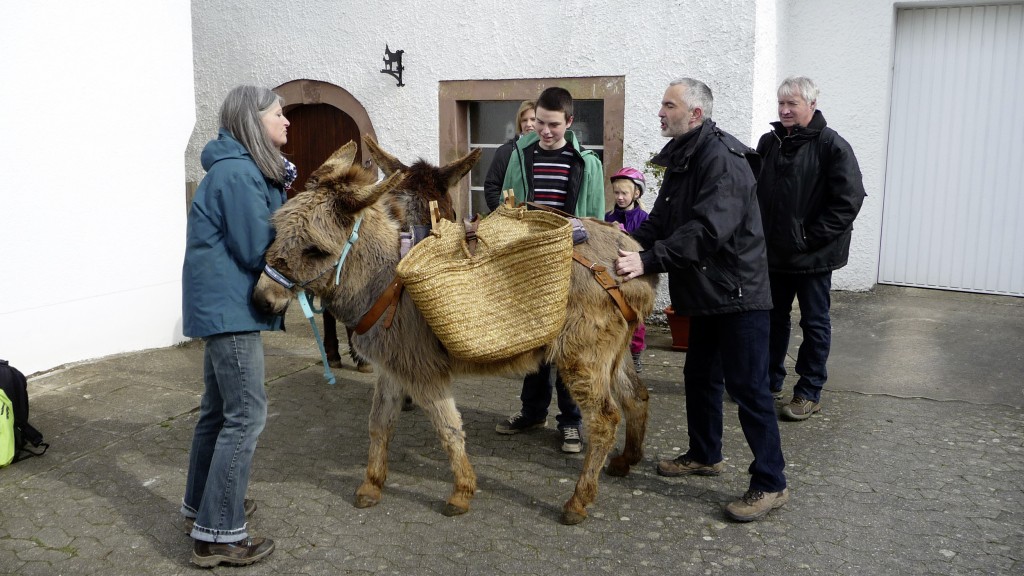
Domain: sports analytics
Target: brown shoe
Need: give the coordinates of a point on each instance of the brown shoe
(755, 504)
(250, 507)
(800, 408)
(683, 466)
(241, 553)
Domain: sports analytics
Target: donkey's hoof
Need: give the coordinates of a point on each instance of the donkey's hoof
(366, 500)
(453, 510)
(570, 518)
(617, 467)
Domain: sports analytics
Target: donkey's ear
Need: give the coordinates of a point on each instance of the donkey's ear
(336, 166)
(388, 163)
(454, 172)
(387, 185)
(353, 198)
(344, 156)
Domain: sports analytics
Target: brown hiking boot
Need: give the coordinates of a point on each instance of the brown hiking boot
(241, 553)
(250, 507)
(755, 504)
(683, 466)
(800, 408)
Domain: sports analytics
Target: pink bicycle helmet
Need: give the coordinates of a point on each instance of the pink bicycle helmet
(632, 174)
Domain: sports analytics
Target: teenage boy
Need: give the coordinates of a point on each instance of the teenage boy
(549, 166)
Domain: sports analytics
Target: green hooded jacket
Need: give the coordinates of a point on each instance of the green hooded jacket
(586, 188)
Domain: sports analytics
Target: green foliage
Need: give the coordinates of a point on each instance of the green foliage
(658, 173)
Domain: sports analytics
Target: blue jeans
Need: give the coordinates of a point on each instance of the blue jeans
(536, 397)
(232, 414)
(812, 292)
(738, 343)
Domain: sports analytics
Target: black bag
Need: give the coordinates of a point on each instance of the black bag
(14, 385)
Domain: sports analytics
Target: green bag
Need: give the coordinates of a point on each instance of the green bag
(16, 434)
(6, 430)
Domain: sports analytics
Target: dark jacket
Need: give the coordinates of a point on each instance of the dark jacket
(810, 190)
(705, 226)
(496, 173)
(228, 232)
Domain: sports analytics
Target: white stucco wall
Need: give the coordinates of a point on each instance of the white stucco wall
(649, 43)
(101, 99)
(97, 110)
(766, 52)
(846, 46)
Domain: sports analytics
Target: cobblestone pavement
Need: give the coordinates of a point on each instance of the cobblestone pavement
(880, 484)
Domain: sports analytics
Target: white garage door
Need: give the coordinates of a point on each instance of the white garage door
(953, 215)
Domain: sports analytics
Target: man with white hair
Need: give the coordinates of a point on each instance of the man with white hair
(810, 190)
(705, 231)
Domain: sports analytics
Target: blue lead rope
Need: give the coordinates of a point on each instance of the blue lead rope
(348, 246)
(307, 310)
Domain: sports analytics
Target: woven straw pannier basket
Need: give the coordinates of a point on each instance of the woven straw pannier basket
(507, 298)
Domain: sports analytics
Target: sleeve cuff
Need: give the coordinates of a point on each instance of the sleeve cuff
(650, 262)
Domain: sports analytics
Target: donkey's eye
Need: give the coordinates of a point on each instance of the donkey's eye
(315, 253)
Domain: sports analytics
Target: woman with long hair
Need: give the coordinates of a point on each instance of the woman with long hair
(228, 232)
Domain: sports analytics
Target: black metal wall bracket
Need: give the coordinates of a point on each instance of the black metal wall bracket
(393, 64)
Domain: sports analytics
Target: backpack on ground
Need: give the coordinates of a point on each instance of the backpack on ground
(15, 431)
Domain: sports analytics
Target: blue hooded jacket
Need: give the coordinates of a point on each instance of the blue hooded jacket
(229, 230)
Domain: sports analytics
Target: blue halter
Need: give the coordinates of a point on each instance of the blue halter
(308, 310)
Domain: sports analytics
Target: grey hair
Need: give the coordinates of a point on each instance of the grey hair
(698, 95)
(240, 114)
(799, 85)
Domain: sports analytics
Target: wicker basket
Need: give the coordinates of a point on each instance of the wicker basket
(508, 298)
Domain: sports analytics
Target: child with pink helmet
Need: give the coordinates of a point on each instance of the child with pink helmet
(628, 185)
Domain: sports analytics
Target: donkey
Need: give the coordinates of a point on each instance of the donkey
(590, 352)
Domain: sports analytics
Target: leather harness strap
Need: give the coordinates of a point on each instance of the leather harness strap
(600, 272)
(608, 283)
(388, 302)
(550, 209)
(471, 238)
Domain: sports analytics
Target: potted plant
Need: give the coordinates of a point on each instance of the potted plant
(680, 327)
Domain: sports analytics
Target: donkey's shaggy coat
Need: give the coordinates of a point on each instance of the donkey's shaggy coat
(590, 351)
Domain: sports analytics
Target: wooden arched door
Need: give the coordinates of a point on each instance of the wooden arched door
(316, 131)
